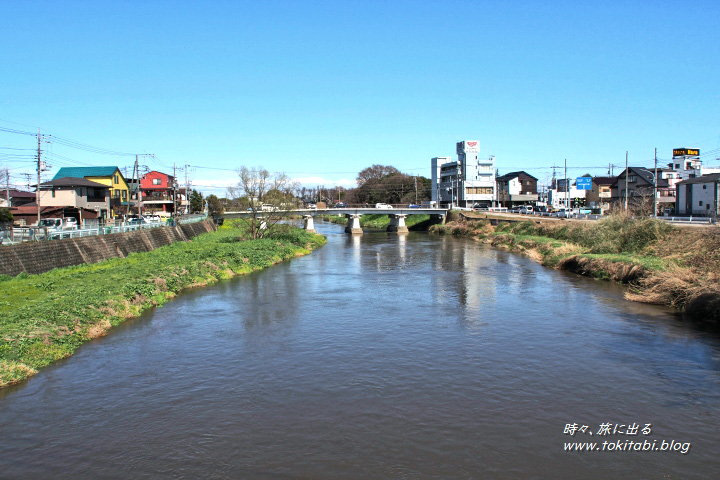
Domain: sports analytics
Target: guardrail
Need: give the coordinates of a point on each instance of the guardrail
(690, 219)
(33, 234)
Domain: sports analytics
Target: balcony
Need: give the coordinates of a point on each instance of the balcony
(158, 199)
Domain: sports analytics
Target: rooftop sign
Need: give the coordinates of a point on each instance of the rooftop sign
(686, 152)
(468, 146)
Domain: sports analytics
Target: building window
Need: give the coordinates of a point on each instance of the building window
(156, 181)
(704, 187)
(707, 206)
(116, 178)
(124, 194)
(700, 203)
(632, 179)
(117, 194)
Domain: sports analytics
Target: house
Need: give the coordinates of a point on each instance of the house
(160, 194)
(600, 195)
(516, 188)
(699, 196)
(78, 193)
(109, 176)
(18, 198)
(637, 184)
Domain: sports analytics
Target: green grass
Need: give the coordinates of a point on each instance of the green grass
(46, 317)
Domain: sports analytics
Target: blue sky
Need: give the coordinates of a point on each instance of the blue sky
(321, 90)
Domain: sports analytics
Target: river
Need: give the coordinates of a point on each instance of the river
(379, 356)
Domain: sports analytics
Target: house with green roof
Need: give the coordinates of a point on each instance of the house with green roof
(109, 176)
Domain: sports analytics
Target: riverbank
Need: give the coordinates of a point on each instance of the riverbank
(46, 317)
(660, 263)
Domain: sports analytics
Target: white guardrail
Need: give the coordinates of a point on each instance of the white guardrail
(31, 234)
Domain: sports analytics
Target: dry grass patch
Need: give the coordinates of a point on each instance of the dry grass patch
(100, 329)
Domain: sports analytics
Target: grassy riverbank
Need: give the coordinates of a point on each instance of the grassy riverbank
(381, 221)
(46, 317)
(660, 263)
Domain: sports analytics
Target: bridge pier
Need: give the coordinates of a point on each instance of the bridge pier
(397, 224)
(353, 224)
(309, 224)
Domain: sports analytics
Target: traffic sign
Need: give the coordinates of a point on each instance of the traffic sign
(583, 183)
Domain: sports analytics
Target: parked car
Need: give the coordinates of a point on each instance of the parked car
(527, 209)
(69, 223)
(562, 213)
(341, 205)
(383, 206)
(135, 221)
(515, 210)
(413, 205)
(311, 206)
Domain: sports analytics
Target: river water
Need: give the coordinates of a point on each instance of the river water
(379, 356)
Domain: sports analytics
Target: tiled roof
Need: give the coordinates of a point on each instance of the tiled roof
(711, 177)
(80, 172)
(511, 175)
(17, 194)
(72, 182)
(604, 180)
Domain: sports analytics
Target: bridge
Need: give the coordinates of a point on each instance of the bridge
(397, 216)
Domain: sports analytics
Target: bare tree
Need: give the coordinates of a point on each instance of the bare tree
(269, 196)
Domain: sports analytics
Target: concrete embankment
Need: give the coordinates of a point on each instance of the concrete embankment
(38, 257)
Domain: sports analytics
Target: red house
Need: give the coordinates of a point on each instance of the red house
(157, 191)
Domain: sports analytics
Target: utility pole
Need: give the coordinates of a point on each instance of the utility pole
(626, 180)
(136, 183)
(174, 214)
(7, 186)
(187, 189)
(567, 189)
(655, 189)
(40, 168)
(416, 190)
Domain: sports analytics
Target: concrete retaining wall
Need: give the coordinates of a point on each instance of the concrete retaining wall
(38, 257)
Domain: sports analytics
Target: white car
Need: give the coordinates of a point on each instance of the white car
(383, 206)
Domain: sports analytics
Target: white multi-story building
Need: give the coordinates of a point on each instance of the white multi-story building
(686, 164)
(466, 181)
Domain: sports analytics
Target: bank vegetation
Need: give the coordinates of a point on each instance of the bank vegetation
(660, 263)
(46, 317)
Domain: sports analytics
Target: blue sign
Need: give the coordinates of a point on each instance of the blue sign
(583, 183)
